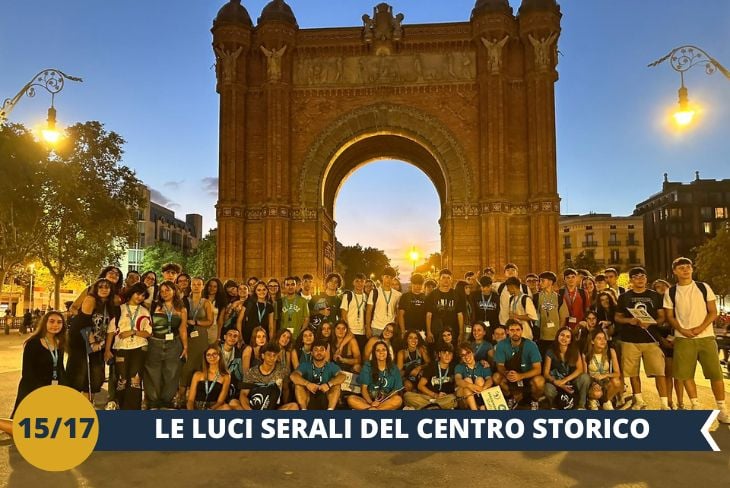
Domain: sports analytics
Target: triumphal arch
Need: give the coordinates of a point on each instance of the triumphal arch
(469, 103)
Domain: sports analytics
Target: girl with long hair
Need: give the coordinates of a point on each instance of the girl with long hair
(128, 336)
(214, 292)
(589, 286)
(43, 357)
(209, 387)
(345, 350)
(183, 282)
(230, 310)
(326, 335)
(168, 345)
(257, 312)
(150, 281)
(302, 352)
(252, 352)
(380, 382)
(563, 370)
(412, 359)
(603, 368)
(387, 337)
(200, 319)
(87, 338)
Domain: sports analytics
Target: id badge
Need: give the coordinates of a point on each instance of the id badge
(169, 337)
(572, 320)
(486, 323)
(550, 325)
(467, 329)
(194, 333)
(54, 382)
(291, 330)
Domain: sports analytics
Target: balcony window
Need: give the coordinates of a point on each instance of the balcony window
(721, 212)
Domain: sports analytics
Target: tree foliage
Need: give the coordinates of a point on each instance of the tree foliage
(356, 259)
(22, 166)
(162, 252)
(203, 260)
(583, 260)
(712, 262)
(90, 202)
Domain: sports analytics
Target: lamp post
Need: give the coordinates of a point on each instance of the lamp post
(684, 58)
(52, 80)
(32, 290)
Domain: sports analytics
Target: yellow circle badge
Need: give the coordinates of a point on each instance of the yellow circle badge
(55, 428)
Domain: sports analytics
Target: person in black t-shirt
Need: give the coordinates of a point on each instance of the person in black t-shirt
(437, 384)
(486, 305)
(444, 309)
(412, 307)
(640, 338)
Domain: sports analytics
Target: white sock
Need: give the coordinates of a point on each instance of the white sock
(638, 397)
(720, 405)
(695, 403)
(665, 402)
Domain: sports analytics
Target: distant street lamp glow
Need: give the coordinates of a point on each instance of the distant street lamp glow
(50, 133)
(414, 255)
(682, 59)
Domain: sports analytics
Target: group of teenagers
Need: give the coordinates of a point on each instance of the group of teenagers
(184, 342)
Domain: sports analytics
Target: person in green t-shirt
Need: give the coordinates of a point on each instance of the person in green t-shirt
(292, 309)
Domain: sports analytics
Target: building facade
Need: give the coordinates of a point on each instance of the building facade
(159, 224)
(611, 241)
(471, 104)
(681, 217)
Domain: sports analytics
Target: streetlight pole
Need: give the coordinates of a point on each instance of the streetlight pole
(32, 290)
(684, 58)
(52, 80)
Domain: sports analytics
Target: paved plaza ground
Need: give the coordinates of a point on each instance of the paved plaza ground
(353, 469)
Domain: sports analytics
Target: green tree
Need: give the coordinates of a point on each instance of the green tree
(22, 163)
(356, 259)
(159, 254)
(432, 263)
(203, 260)
(583, 260)
(712, 262)
(90, 203)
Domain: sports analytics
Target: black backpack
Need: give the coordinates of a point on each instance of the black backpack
(673, 292)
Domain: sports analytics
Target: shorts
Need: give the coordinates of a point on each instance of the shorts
(632, 353)
(687, 352)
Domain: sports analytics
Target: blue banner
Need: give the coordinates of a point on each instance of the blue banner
(430, 430)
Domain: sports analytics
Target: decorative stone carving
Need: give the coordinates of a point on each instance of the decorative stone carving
(273, 62)
(226, 63)
(543, 48)
(494, 54)
(383, 30)
(423, 68)
(329, 251)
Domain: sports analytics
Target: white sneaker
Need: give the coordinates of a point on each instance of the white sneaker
(608, 406)
(723, 418)
(408, 408)
(639, 405)
(592, 404)
(665, 408)
(111, 406)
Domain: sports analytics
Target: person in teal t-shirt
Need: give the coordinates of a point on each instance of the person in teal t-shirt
(380, 381)
(317, 383)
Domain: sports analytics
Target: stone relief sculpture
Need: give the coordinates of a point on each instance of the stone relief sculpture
(273, 62)
(362, 70)
(494, 54)
(542, 48)
(226, 63)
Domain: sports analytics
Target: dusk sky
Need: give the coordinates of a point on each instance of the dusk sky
(147, 69)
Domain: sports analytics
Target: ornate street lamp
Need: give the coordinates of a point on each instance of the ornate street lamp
(682, 59)
(52, 80)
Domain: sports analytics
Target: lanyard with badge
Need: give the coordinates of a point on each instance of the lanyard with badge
(442, 377)
(261, 313)
(317, 374)
(132, 318)
(547, 306)
(360, 306)
(387, 303)
(169, 335)
(570, 300)
(54, 358)
(289, 309)
(209, 385)
(193, 316)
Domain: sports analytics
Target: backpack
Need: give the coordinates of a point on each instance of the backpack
(525, 291)
(349, 295)
(673, 292)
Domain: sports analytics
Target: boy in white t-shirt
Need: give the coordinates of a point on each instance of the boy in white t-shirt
(691, 308)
